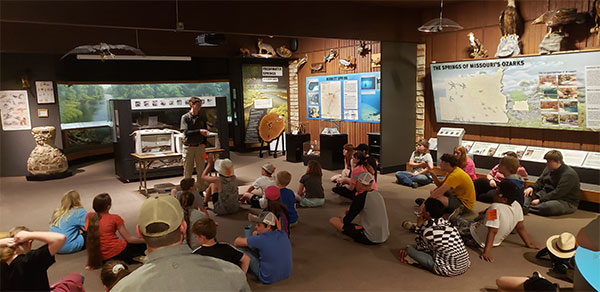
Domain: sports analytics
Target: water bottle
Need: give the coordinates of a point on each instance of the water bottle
(248, 230)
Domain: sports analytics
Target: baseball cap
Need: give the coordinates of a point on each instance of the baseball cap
(160, 209)
(268, 167)
(365, 178)
(266, 217)
(272, 193)
(362, 147)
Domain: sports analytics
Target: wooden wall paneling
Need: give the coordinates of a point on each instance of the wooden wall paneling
(490, 13)
(590, 141)
(472, 132)
(529, 137)
(491, 39)
(442, 47)
(462, 43)
(469, 20)
(558, 139)
(495, 134)
(530, 10)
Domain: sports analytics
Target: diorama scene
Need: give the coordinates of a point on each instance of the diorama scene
(283, 146)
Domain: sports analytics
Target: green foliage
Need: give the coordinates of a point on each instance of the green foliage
(78, 102)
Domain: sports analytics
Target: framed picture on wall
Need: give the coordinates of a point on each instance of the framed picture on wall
(42, 113)
(45, 92)
(14, 106)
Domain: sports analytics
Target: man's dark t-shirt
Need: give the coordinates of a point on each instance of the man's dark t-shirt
(27, 272)
(191, 126)
(222, 251)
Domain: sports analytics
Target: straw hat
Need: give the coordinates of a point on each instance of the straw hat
(224, 167)
(562, 246)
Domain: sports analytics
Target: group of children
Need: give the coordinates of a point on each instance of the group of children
(267, 252)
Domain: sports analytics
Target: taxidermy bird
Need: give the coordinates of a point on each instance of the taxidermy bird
(477, 50)
(362, 49)
(510, 25)
(330, 56)
(103, 49)
(510, 21)
(556, 19)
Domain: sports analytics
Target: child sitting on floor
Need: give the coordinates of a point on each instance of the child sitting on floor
(205, 232)
(188, 185)
(497, 221)
(439, 248)
(275, 206)
(222, 189)
(287, 196)
(310, 192)
(69, 220)
(263, 182)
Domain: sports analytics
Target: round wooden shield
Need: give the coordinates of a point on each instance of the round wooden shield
(271, 126)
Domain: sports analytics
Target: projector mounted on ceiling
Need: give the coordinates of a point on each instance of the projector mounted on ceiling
(210, 39)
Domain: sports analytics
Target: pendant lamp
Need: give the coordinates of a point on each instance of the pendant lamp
(440, 24)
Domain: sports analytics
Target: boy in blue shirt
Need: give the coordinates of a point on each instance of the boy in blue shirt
(287, 196)
(269, 249)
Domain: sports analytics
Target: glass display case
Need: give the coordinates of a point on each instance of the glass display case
(154, 129)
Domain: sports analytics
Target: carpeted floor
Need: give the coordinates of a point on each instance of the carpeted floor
(323, 260)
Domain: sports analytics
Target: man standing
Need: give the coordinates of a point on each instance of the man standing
(556, 192)
(194, 128)
(170, 265)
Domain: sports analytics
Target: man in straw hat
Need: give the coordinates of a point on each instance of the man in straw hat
(270, 250)
(369, 204)
(170, 265)
(222, 189)
(193, 126)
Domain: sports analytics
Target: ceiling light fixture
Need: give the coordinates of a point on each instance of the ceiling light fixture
(440, 24)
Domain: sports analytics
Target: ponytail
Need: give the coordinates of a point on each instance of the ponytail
(187, 201)
(101, 204)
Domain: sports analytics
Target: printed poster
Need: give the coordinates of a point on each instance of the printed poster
(14, 107)
(45, 92)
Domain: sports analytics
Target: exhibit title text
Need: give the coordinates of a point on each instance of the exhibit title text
(476, 65)
(334, 78)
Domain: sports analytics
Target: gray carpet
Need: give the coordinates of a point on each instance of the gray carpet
(323, 260)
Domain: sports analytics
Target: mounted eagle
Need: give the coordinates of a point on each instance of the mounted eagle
(554, 21)
(511, 26)
(103, 49)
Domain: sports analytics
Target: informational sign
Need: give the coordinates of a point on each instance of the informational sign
(272, 71)
(535, 154)
(483, 149)
(467, 145)
(432, 143)
(592, 160)
(171, 102)
(558, 91)
(14, 108)
(503, 148)
(350, 97)
(573, 157)
(263, 103)
(252, 135)
(45, 92)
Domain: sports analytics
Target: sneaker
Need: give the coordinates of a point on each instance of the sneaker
(456, 213)
(409, 225)
(419, 201)
(414, 185)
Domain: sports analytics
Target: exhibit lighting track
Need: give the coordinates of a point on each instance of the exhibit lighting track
(133, 58)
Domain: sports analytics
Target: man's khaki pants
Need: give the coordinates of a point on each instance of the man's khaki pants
(192, 155)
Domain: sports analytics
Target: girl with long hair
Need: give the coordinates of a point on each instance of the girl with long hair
(464, 161)
(69, 219)
(348, 153)
(102, 241)
(310, 192)
(346, 186)
(191, 215)
(419, 160)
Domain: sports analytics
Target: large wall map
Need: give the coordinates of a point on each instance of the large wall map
(559, 91)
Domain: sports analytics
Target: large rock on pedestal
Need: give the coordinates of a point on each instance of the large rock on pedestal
(46, 159)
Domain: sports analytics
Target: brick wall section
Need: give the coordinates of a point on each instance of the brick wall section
(294, 121)
(420, 96)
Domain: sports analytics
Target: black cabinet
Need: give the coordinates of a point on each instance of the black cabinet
(375, 145)
(294, 146)
(332, 151)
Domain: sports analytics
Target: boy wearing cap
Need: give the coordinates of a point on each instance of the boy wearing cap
(270, 250)
(263, 182)
(170, 265)
(364, 148)
(369, 204)
(222, 189)
(504, 215)
(193, 126)
(274, 205)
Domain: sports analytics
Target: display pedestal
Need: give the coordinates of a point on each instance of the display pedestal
(332, 151)
(447, 140)
(42, 177)
(294, 146)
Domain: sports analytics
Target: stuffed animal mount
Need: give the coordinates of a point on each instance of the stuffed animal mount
(362, 49)
(476, 50)
(348, 64)
(330, 56)
(264, 50)
(555, 20)
(317, 68)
